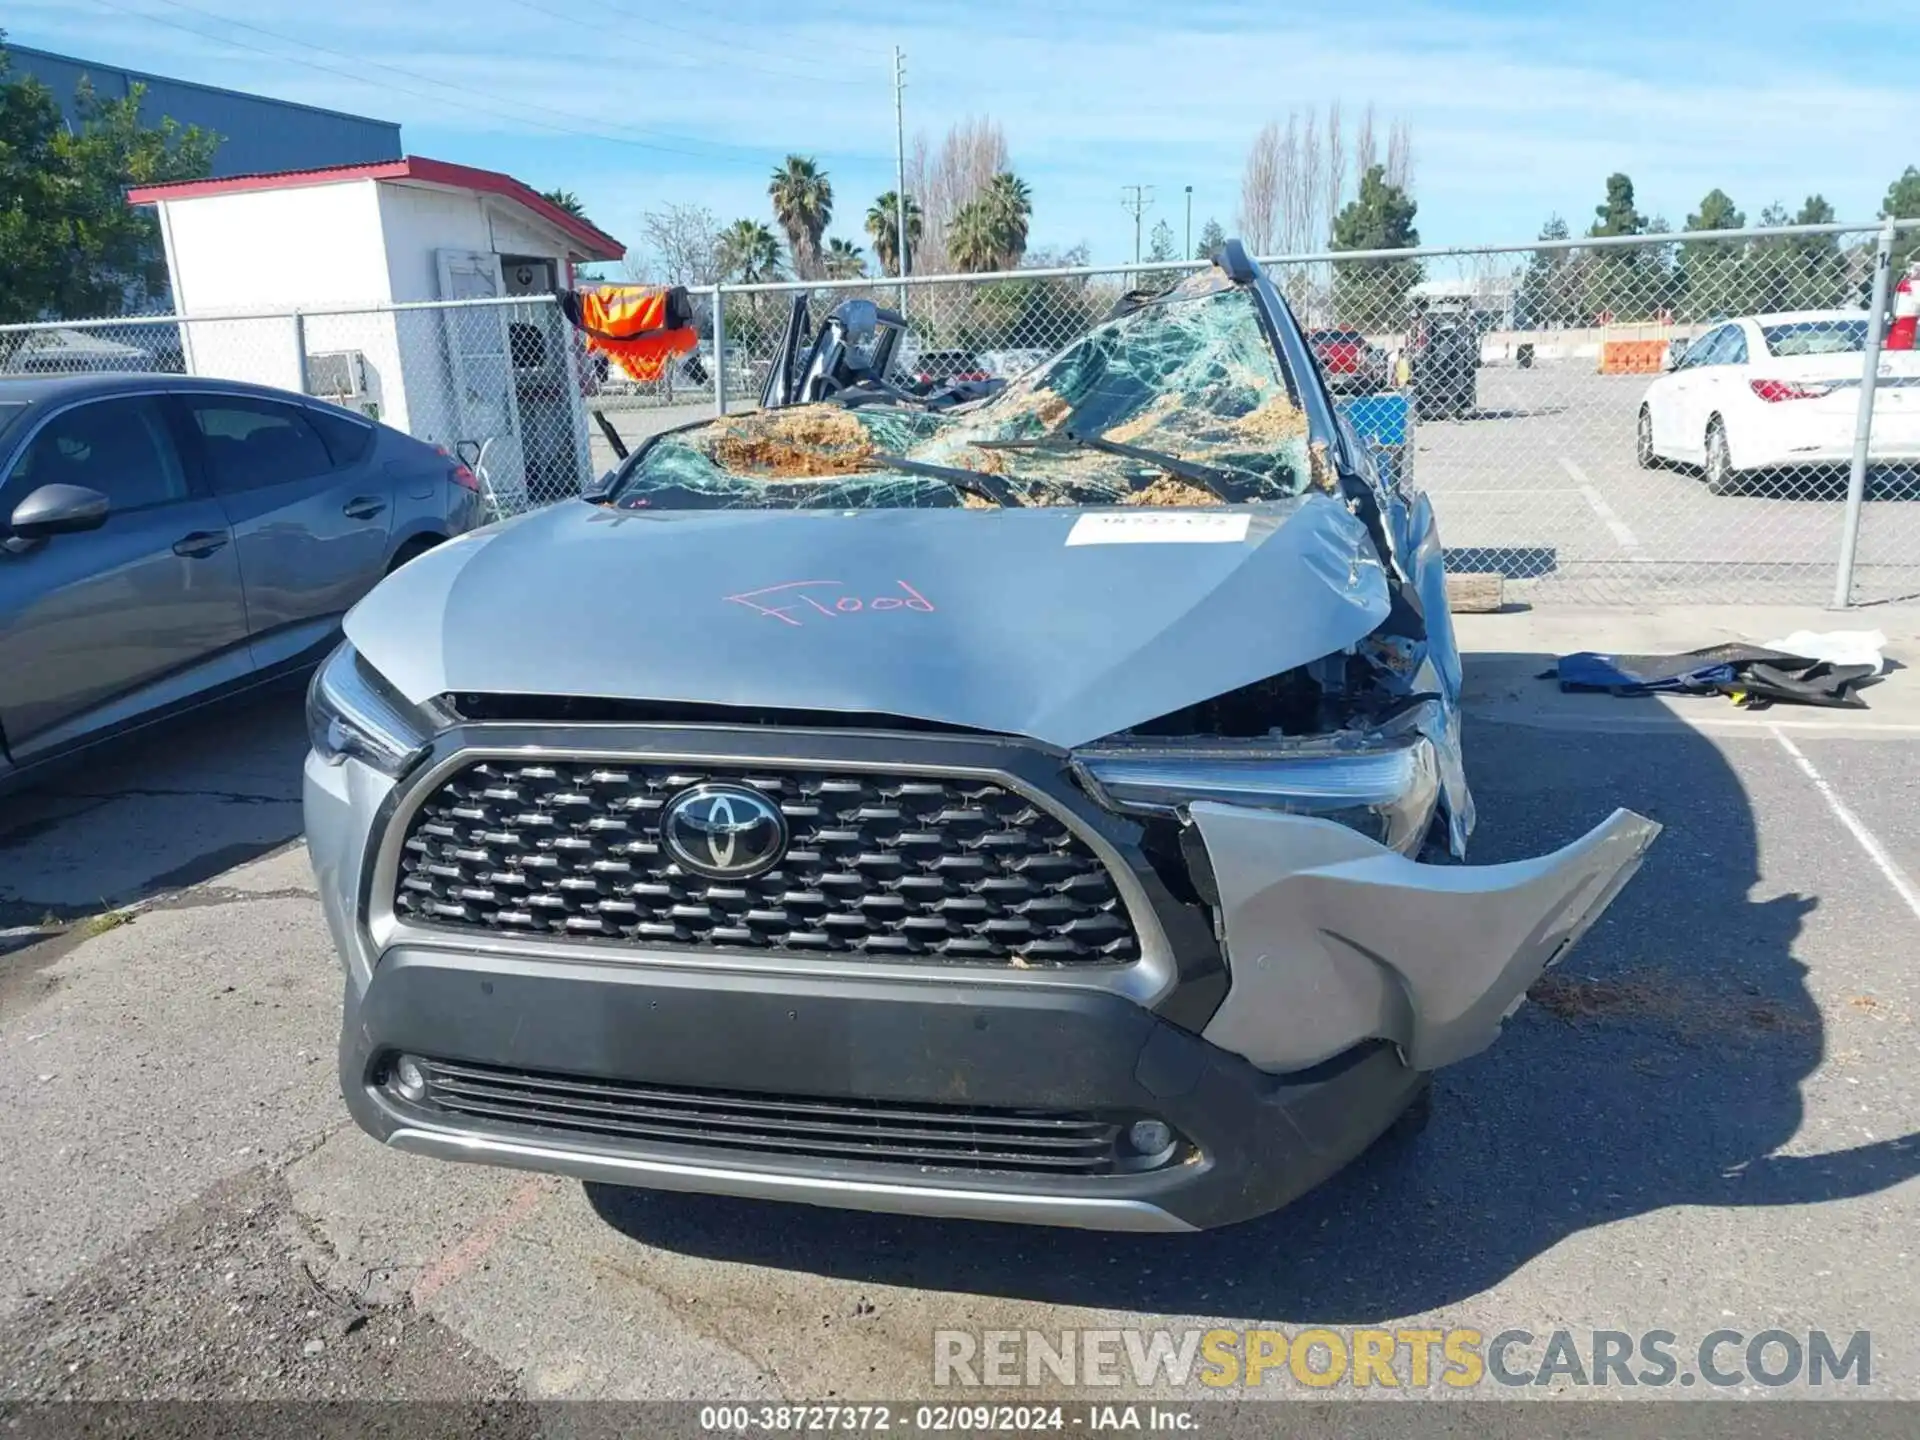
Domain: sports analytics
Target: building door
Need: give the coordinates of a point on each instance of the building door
(546, 387)
(480, 369)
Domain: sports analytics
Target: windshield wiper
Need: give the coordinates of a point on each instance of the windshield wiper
(973, 482)
(1207, 477)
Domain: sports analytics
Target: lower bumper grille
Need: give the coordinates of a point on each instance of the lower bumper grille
(923, 1136)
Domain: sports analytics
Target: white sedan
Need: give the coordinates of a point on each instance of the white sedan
(1778, 391)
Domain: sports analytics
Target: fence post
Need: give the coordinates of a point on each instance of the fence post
(1863, 423)
(300, 351)
(719, 350)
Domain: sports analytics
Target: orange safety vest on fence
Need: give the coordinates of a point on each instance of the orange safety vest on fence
(639, 327)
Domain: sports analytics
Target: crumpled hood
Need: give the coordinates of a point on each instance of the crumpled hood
(1059, 625)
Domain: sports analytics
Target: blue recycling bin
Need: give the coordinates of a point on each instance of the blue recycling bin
(1384, 423)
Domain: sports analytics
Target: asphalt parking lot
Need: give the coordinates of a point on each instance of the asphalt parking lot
(1709, 1118)
(1540, 486)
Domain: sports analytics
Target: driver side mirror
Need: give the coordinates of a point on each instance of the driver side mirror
(58, 510)
(1676, 352)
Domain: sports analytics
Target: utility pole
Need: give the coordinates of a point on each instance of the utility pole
(1187, 254)
(900, 168)
(1139, 202)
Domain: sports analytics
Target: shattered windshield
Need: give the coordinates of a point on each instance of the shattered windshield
(1181, 401)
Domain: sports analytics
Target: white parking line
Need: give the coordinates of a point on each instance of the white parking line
(1629, 542)
(1869, 842)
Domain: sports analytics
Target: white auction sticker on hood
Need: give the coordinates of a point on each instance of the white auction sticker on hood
(1165, 527)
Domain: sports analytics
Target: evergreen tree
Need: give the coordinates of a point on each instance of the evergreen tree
(1903, 203)
(1160, 244)
(1618, 283)
(1212, 238)
(1713, 282)
(70, 245)
(1379, 217)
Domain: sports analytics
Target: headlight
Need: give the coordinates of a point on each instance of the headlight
(352, 711)
(1387, 791)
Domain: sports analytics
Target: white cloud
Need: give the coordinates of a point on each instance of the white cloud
(1513, 116)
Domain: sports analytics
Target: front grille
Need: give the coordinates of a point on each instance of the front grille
(934, 867)
(924, 1136)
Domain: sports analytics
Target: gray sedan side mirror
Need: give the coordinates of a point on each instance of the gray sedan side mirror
(58, 510)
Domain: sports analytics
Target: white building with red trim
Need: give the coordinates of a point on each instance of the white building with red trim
(497, 371)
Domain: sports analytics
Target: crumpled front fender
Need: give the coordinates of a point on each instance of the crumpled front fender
(1333, 939)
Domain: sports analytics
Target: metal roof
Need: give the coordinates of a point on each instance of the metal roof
(593, 242)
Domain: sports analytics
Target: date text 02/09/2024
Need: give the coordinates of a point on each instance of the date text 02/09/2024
(946, 1419)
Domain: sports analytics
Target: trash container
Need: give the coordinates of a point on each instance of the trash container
(1384, 424)
(1523, 357)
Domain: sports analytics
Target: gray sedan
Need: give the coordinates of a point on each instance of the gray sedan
(165, 540)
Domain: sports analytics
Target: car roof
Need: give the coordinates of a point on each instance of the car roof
(1805, 317)
(35, 389)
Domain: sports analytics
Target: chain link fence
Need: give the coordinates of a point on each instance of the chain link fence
(504, 385)
(1598, 421)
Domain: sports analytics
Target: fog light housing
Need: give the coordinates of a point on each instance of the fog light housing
(409, 1080)
(1150, 1138)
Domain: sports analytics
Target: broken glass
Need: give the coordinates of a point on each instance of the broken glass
(1191, 374)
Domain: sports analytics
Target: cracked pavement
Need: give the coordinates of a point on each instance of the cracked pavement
(1709, 1119)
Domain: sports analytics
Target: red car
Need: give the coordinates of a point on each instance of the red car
(1349, 360)
(944, 367)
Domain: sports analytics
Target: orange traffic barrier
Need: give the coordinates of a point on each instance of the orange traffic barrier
(1632, 357)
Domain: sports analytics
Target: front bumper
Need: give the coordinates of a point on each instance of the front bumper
(1350, 972)
(1256, 1140)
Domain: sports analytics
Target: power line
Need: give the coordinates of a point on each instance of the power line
(603, 135)
(901, 245)
(1139, 204)
(729, 60)
(228, 40)
(707, 37)
(433, 80)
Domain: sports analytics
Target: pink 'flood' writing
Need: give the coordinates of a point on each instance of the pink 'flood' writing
(797, 601)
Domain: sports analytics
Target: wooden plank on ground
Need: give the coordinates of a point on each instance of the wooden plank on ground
(1475, 593)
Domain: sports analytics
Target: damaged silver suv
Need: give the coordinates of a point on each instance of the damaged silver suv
(1007, 810)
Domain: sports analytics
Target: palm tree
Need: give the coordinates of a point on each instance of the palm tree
(803, 204)
(844, 260)
(567, 201)
(749, 251)
(883, 225)
(973, 239)
(1010, 205)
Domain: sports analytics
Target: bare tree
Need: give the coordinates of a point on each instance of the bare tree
(1366, 144)
(1290, 195)
(679, 245)
(1295, 180)
(946, 180)
(1336, 164)
(1259, 216)
(1400, 155)
(1311, 178)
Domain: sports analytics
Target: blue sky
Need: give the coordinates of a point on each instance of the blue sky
(1518, 110)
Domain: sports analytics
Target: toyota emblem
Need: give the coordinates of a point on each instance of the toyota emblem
(724, 832)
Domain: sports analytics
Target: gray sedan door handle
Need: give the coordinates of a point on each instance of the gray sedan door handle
(363, 507)
(200, 544)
